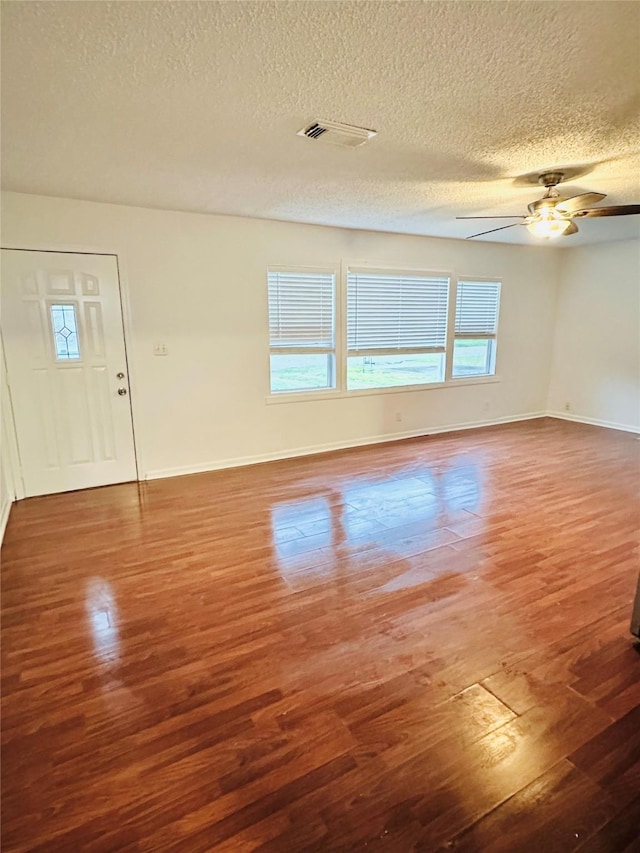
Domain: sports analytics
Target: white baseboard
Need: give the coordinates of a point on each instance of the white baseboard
(239, 461)
(579, 419)
(4, 516)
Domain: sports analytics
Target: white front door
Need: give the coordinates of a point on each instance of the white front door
(66, 365)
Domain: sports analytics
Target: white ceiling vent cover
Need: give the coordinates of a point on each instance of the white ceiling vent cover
(336, 133)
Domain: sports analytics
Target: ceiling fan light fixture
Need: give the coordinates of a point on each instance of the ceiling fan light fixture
(548, 229)
(553, 215)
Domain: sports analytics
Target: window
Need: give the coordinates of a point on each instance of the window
(65, 332)
(396, 329)
(373, 329)
(302, 330)
(476, 326)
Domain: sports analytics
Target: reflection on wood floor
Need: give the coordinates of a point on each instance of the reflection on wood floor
(417, 646)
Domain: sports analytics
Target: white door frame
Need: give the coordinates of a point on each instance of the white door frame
(9, 455)
(10, 439)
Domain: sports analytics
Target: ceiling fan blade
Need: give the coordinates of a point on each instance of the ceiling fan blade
(502, 227)
(514, 216)
(614, 210)
(579, 202)
(571, 229)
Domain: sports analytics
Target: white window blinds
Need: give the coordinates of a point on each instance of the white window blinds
(394, 312)
(301, 310)
(477, 304)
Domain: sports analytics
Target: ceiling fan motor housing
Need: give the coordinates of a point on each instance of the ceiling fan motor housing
(551, 179)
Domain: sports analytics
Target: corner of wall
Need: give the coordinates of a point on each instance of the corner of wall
(595, 367)
(558, 272)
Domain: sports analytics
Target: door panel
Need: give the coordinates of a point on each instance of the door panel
(64, 345)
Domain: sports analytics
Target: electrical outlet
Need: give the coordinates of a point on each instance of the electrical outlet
(567, 406)
(160, 349)
(398, 417)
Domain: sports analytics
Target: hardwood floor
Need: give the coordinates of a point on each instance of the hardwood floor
(417, 646)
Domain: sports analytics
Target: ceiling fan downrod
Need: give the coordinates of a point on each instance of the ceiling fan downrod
(550, 180)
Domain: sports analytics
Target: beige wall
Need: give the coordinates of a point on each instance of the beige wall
(198, 284)
(596, 363)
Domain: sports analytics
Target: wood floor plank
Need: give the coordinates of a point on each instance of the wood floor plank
(421, 645)
(447, 784)
(612, 759)
(621, 834)
(556, 812)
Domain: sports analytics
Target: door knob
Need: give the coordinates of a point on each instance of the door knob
(122, 391)
(120, 375)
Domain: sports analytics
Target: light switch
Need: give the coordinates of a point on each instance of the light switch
(160, 349)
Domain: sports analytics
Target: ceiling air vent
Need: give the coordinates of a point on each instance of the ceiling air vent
(336, 133)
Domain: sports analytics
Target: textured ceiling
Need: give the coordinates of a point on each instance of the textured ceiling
(195, 106)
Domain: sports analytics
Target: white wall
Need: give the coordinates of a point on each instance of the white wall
(596, 362)
(198, 283)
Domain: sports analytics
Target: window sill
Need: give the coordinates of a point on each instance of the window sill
(311, 396)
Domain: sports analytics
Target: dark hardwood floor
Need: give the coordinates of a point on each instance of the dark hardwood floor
(417, 646)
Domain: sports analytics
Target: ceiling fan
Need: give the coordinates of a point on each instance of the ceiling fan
(553, 215)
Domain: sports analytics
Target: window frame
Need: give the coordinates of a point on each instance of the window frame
(75, 308)
(311, 350)
(365, 269)
(476, 337)
(340, 352)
